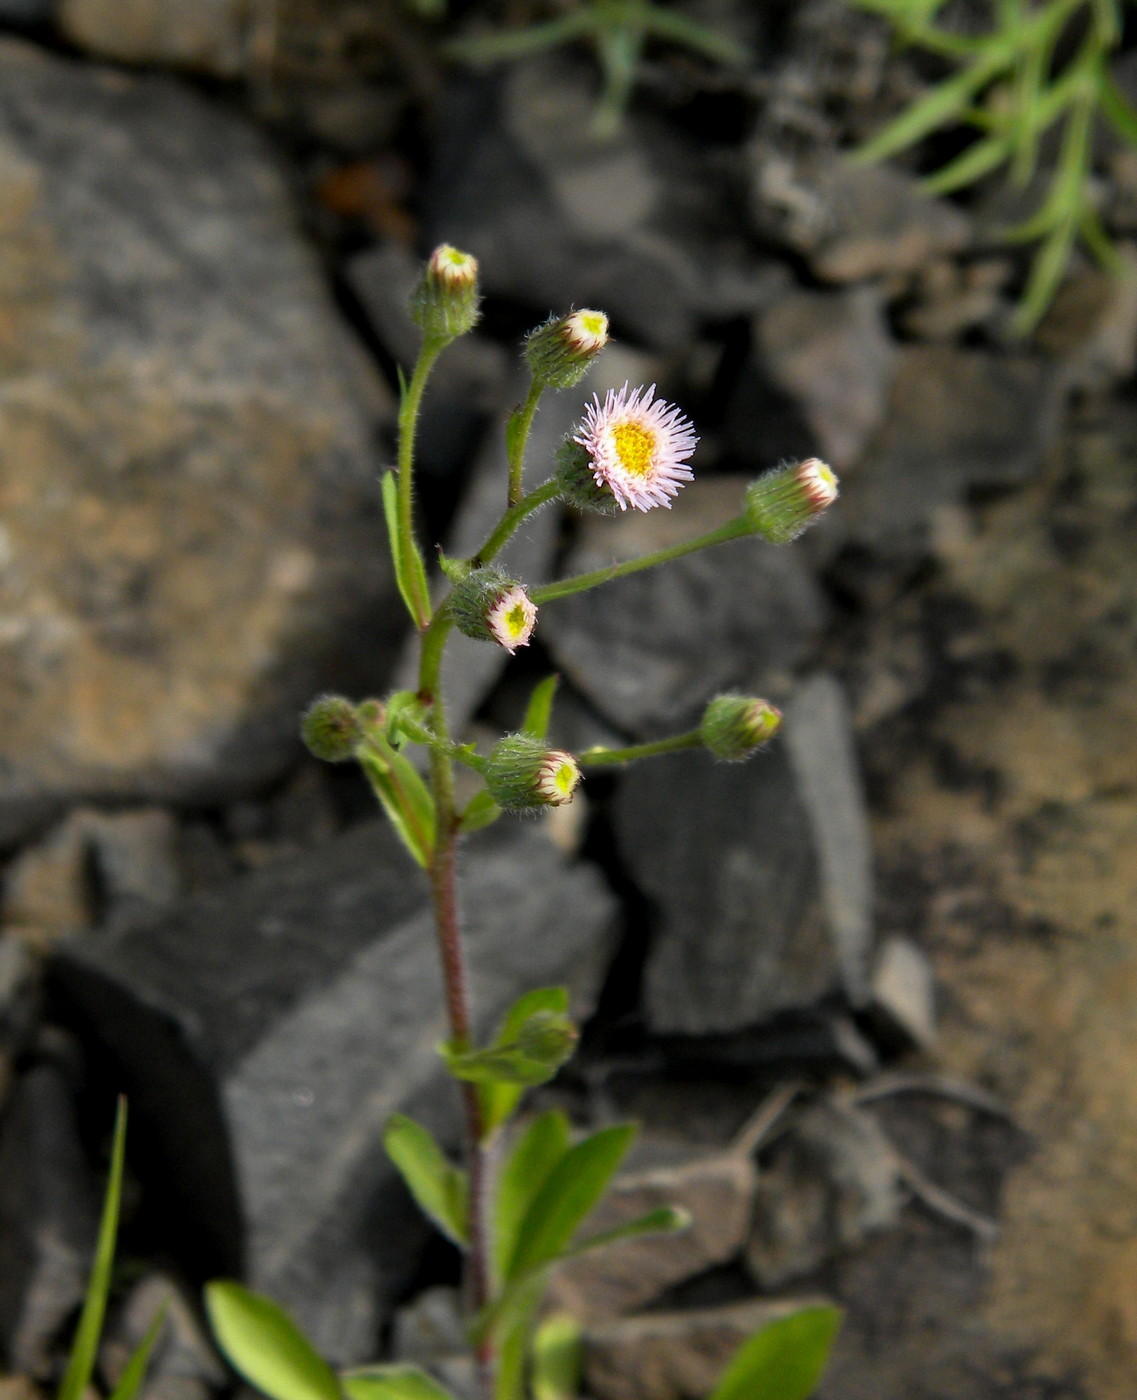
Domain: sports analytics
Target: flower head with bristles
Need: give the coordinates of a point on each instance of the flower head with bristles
(523, 773)
(560, 352)
(784, 502)
(489, 607)
(637, 447)
(511, 619)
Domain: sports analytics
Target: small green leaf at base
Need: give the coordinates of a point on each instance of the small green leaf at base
(394, 1382)
(266, 1346)
(556, 1358)
(134, 1372)
(784, 1361)
(540, 708)
(437, 1185)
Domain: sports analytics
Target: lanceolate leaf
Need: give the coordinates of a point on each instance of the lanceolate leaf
(134, 1372)
(540, 708)
(437, 1185)
(395, 1382)
(570, 1191)
(405, 798)
(266, 1346)
(86, 1344)
(480, 811)
(525, 1171)
(784, 1361)
(557, 1356)
(666, 1220)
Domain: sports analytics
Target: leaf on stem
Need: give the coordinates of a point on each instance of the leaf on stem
(784, 1361)
(480, 811)
(540, 708)
(437, 1185)
(535, 1154)
(410, 573)
(404, 797)
(500, 1099)
(557, 1358)
(569, 1192)
(85, 1347)
(266, 1346)
(394, 1382)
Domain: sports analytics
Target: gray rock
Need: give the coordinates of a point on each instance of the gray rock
(957, 420)
(833, 1182)
(852, 222)
(430, 1326)
(268, 1030)
(726, 854)
(819, 736)
(715, 1188)
(48, 1218)
(20, 981)
(183, 1364)
(904, 992)
(674, 1356)
(207, 36)
(192, 536)
(47, 887)
(649, 650)
(832, 352)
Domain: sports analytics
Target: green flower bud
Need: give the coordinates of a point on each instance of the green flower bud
(522, 773)
(331, 728)
(733, 726)
(492, 608)
(578, 484)
(547, 1036)
(445, 302)
(560, 352)
(782, 503)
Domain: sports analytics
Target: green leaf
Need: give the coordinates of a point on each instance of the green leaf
(266, 1346)
(404, 797)
(437, 1185)
(394, 1382)
(134, 1372)
(391, 514)
(942, 105)
(979, 158)
(512, 1329)
(784, 1361)
(556, 1358)
(480, 811)
(535, 1154)
(500, 1100)
(1116, 110)
(86, 1344)
(540, 708)
(664, 1220)
(543, 1044)
(569, 1192)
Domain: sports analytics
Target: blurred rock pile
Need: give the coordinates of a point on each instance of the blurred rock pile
(906, 930)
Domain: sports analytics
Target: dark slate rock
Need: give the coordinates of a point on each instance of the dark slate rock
(193, 540)
(957, 420)
(649, 650)
(760, 873)
(48, 1218)
(268, 1030)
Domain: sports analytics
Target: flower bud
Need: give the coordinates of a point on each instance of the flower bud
(445, 302)
(522, 774)
(560, 352)
(734, 726)
(492, 608)
(331, 728)
(548, 1036)
(579, 486)
(782, 503)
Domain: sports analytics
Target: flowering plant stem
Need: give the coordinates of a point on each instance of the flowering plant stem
(513, 517)
(601, 757)
(518, 436)
(409, 405)
(733, 530)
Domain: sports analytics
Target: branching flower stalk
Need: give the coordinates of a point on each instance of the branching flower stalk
(631, 451)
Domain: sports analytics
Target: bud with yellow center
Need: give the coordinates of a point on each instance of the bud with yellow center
(523, 774)
(783, 503)
(560, 352)
(489, 607)
(445, 302)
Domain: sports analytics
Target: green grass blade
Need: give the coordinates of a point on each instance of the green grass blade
(266, 1346)
(979, 159)
(85, 1347)
(134, 1373)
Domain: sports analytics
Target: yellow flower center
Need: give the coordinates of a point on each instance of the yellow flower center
(564, 779)
(635, 447)
(515, 620)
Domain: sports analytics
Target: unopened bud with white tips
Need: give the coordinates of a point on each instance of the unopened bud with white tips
(560, 352)
(734, 726)
(524, 774)
(784, 502)
(445, 302)
(489, 607)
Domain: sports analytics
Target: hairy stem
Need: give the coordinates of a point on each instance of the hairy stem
(732, 530)
(599, 757)
(512, 518)
(408, 420)
(518, 437)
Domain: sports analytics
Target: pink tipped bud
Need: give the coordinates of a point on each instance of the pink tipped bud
(735, 725)
(445, 302)
(331, 728)
(492, 608)
(523, 774)
(560, 352)
(784, 502)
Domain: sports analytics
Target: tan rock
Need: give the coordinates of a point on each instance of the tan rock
(207, 35)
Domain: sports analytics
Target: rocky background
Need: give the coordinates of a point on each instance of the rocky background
(874, 994)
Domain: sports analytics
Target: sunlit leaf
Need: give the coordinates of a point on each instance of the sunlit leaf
(266, 1347)
(437, 1185)
(784, 1361)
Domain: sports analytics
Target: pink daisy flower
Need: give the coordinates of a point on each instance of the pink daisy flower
(637, 447)
(511, 619)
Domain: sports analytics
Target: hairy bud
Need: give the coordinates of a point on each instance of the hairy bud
(445, 302)
(492, 608)
(733, 726)
(523, 774)
(560, 352)
(782, 503)
(331, 728)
